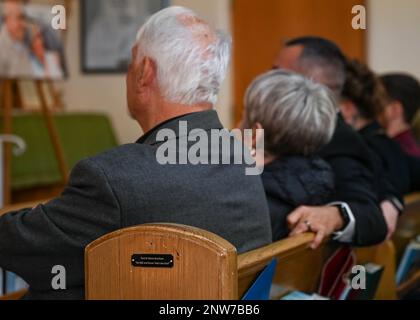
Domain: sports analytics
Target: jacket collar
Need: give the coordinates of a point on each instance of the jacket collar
(205, 120)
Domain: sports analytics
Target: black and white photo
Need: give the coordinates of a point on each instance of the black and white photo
(109, 29)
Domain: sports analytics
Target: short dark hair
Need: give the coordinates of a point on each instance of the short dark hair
(365, 90)
(320, 52)
(405, 89)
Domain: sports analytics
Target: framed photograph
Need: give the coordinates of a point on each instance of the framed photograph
(109, 29)
(30, 47)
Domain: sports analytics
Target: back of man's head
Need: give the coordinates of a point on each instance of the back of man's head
(191, 57)
(404, 89)
(321, 60)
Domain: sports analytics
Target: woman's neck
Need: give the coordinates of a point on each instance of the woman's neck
(268, 158)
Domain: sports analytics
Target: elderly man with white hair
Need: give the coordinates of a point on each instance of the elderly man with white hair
(178, 65)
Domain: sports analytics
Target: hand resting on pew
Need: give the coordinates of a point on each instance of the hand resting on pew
(323, 221)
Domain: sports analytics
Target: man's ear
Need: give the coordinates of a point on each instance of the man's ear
(145, 74)
(149, 72)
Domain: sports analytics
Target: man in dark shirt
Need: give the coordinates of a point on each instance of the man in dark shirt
(167, 86)
(354, 215)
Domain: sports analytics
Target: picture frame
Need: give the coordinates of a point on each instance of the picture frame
(108, 30)
(30, 46)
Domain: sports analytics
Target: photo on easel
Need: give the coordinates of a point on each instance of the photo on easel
(30, 47)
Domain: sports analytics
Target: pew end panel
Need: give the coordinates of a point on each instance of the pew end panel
(204, 265)
(408, 229)
(408, 225)
(383, 255)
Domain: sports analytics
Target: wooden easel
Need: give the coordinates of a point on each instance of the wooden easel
(10, 95)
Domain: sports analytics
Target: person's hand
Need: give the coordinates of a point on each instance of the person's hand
(323, 221)
(391, 217)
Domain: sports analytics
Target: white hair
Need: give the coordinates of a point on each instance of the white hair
(191, 57)
(298, 116)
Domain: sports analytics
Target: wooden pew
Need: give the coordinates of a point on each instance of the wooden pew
(205, 266)
(385, 256)
(292, 272)
(408, 228)
(408, 225)
(299, 267)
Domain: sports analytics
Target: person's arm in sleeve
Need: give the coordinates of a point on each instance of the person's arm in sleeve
(355, 187)
(32, 241)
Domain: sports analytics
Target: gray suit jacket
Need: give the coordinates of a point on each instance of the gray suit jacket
(123, 187)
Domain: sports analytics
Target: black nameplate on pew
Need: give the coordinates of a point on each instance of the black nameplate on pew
(152, 260)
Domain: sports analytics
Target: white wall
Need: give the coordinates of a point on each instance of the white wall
(106, 93)
(394, 35)
(393, 45)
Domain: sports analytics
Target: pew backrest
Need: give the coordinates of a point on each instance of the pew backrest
(164, 261)
(174, 262)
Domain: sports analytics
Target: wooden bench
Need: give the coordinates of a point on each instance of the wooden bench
(408, 224)
(205, 266)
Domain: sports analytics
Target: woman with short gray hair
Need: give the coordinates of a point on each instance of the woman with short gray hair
(299, 118)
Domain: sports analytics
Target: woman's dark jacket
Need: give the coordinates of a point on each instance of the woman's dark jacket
(294, 181)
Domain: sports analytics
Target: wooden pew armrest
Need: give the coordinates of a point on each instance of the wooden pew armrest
(250, 261)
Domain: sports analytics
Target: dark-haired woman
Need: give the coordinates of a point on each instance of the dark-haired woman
(363, 99)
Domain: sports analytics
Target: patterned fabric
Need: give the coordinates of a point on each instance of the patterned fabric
(292, 182)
